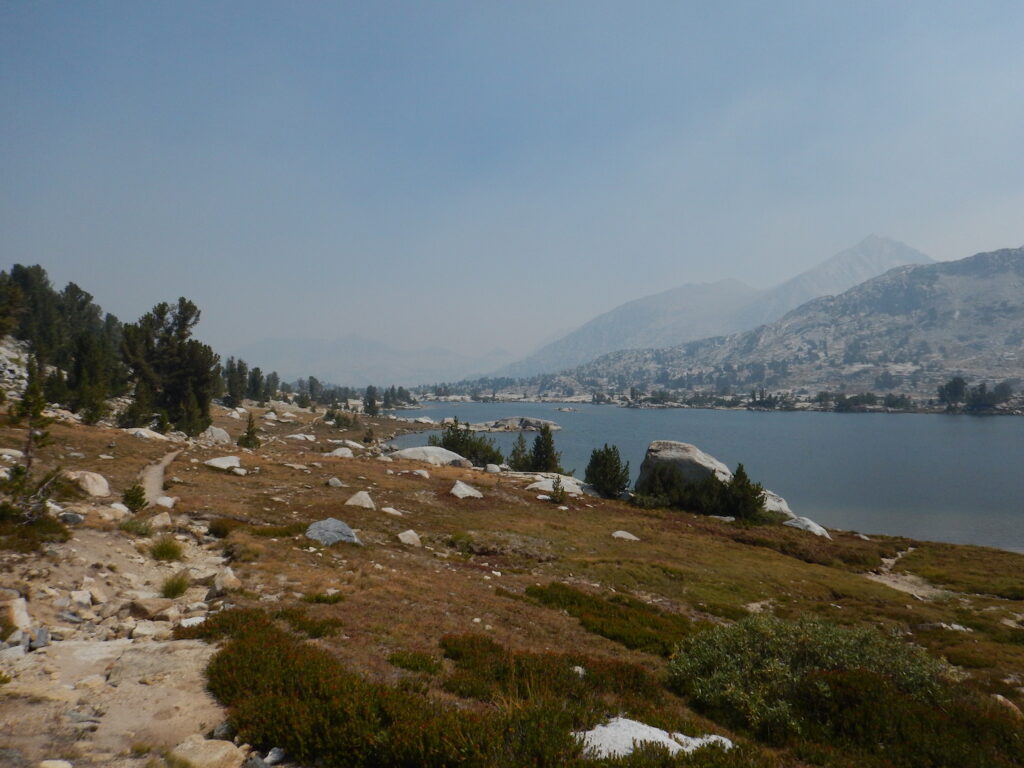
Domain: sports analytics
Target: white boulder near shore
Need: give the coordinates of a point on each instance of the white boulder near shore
(694, 465)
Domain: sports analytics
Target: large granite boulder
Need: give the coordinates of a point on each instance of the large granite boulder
(693, 464)
(92, 483)
(215, 435)
(696, 466)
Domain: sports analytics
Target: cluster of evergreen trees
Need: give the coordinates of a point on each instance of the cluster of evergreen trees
(956, 392)
(241, 383)
(67, 331)
(740, 497)
(82, 357)
(541, 457)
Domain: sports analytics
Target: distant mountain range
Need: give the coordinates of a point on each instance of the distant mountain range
(357, 361)
(910, 328)
(697, 311)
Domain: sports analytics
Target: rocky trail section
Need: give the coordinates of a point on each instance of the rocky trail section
(152, 477)
(99, 675)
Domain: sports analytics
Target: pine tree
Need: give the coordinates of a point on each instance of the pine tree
(370, 402)
(177, 371)
(519, 459)
(30, 410)
(249, 439)
(606, 473)
(134, 497)
(544, 457)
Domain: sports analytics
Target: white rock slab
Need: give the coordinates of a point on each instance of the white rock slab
(146, 434)
(625, 536)
(462, 491)
(620, 736)
(431, 454)
(224, 462)
(806, 524)
(361, 499)
(411, 538)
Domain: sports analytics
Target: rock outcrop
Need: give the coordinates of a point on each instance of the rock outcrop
(431, 454)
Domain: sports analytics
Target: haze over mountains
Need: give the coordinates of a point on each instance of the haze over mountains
(912, 327)
(697, 311)
(354, 360)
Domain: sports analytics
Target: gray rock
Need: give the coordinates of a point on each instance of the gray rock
(255, 761)
(335, 483)
(331, 531)
(71, 518)
(274, 756)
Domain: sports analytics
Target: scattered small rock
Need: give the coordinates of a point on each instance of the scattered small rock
(361, 499)
(411, 538)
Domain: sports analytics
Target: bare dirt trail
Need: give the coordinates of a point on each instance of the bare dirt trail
(905, 582)
(152, 477)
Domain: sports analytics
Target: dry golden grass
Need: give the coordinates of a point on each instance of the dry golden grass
(398, 598)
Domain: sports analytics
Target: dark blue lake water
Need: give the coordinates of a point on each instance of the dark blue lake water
(942, 478)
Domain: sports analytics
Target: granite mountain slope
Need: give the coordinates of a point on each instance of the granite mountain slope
(696, 311)
(919, 324)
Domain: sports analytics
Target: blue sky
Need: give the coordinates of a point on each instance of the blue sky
(476, 175)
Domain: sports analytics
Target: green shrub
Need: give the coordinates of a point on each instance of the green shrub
(165, 548)
(620, 618)
(277, 531)
(487, 671)
(459, 438)
(134, 497)
(300, 621)
(845, 690)
(137, 527)
(281, 691)
(175, 586)
(221, 527)
(415, 661)
(606, 472)
(20, 535)
(322, 598)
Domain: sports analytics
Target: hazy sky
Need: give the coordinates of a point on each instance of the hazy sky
(481, 174)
